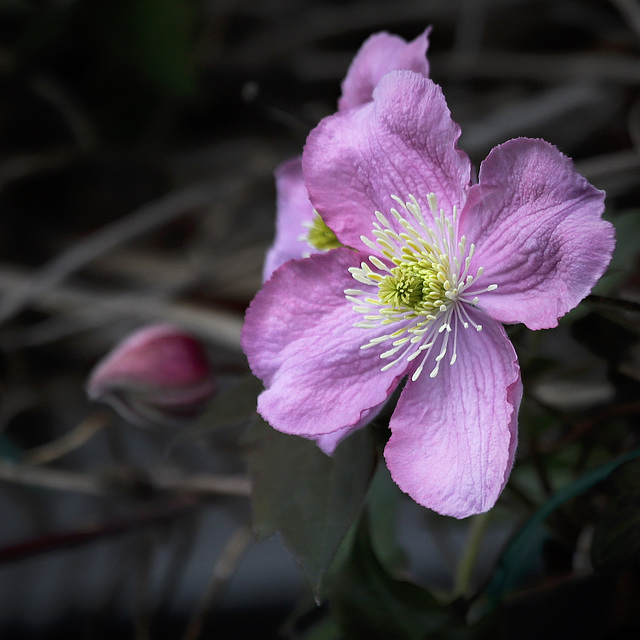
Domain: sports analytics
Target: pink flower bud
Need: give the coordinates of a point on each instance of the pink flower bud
(159, 375)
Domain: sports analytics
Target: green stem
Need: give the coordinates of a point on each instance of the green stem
(477, 529)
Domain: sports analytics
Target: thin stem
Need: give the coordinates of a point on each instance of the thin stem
(68, 442)
(223, 571)
(76, 482)
(477, 529)
(143, 220)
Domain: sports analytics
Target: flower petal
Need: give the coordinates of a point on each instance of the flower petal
(300, 340)
(401, 144)
(538, 231)
(329, 441)
(379, 54)
(294, 210)
(453, 436)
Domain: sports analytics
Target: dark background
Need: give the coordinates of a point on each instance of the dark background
(185, 108)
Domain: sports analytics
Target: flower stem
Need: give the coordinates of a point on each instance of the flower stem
(477, 528)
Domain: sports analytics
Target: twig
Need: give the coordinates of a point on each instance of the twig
(613, 303)
(21, 166)
(144, 566)
(599, 167)
(516, 117)
(78, 122)
(51, 479)
(222, 572)
(76, 482)
(68, 442)
(221, 327)
(90, 533)
(630, 11)
(548, 68)
(141, 221)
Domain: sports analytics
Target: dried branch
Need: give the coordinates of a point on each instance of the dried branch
(630, 11)
(160, 480)
(68, 442)
(96, 307)
(223, 571)
(547, 68)
(141, 221)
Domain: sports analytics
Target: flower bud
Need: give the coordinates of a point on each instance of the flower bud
(159, 375)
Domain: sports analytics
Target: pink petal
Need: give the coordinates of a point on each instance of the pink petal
(401, 144)
(155, 357)
(379, 54)
(159, 375)
(453, 436)
(294, 210)
(329, 441)
(538, 231)
(300, 340)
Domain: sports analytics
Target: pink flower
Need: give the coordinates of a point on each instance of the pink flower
(435, 265)
(158, 375)
(379, 54)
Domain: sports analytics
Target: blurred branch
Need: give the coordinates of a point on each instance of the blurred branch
(144, 571)
(630, 11)
(101, 484)
(221, 327)
(604, 166)
(223, 571)
(141, 221)
(78, 122)
(21, 166)
(87, 534)
(68, 442)
(578, 428)
(613, 303)
(499, 65)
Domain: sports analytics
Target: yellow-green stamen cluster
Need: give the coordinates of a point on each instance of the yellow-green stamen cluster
(320, 237)
(421, 279)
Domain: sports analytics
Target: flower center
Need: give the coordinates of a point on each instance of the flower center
(320, 237)
(422, 285)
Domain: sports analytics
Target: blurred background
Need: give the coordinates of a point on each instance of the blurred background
(138, 139)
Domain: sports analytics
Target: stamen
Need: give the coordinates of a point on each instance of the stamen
(425, 286)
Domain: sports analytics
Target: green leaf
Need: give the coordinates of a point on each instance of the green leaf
(616, 540)
(227, 409)
(516, 558)
(371, 605)
(627, 226)
(382, 510)
(307, 496)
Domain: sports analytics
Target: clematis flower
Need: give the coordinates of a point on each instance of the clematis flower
(299, 231)
(159, 375)
(431, 267)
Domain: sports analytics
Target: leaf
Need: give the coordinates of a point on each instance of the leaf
(371, 605)
(382, 510)
(627, 225)
(307, 496)
(228, 408)
(517, 556)
(616, 540)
